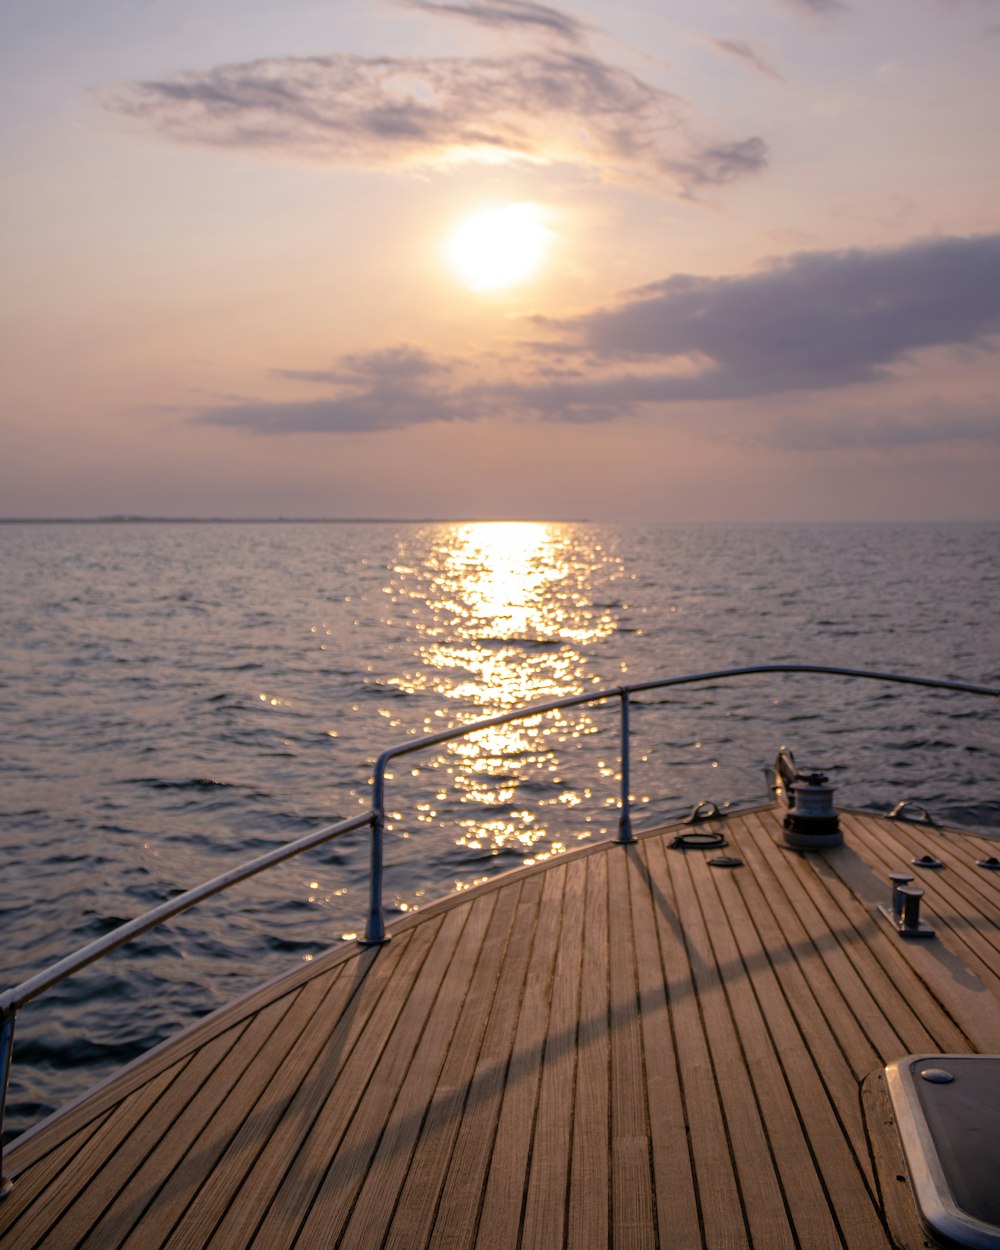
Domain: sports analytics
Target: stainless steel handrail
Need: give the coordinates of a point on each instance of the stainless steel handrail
(12, 1000)
(375, 929)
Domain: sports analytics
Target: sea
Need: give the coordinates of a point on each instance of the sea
(178, 697)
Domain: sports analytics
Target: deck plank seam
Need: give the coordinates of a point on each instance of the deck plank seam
(560, 1052)
(754, 1023)
(804, 910)
(884, 972)
(414, 1051)
(880, 1196)
(589, 1200)
(631, 854)
(781, 1063)
(191, 1037)
(643, 879)
(946, 902)
(396, 1143)
(682, 1000)
(765, 979)
(389, 960)
(825, 1007)
(238, 1030)
(177, 1180)
(632, 1219)
(42, 1215)
(546, 972)
(550, 993)
(41, 1175)
(961, 899)
(610, 1198)
(908, 840)
(430, 954)
(970, 886)
(704, 1035)
(900, 1210)
(724, 978)
(911, 841)
(66, 1216)
(897, 977)
(574, 1083)
(354, 1033)
(624, 939)
(781, 1048)
(361, 978)
(808, 1048)
(845, 945)
(19, 1154)
(499, 1037)
(816, 1002)
(201, 1195)
(481, 1026)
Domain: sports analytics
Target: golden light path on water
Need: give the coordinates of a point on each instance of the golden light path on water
(503, 613)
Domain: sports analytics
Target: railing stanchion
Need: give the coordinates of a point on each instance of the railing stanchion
(375, 929)
(624, 818)
(6, 1048)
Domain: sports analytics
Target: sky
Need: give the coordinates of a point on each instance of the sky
(755, 273)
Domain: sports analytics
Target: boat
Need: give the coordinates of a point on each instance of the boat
(769, 1026)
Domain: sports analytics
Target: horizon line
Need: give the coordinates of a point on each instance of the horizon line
(141, 519)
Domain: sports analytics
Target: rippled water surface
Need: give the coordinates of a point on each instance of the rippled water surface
(178, 697)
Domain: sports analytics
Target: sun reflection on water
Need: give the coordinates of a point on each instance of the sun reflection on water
(503, 614)
(505, 610)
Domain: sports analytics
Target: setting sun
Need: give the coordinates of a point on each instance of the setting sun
(499, 247)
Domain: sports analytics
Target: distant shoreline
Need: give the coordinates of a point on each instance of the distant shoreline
(228, 520)
(127, 519)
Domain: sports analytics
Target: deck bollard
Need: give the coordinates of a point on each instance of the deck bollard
(911, 896)
(903, 911)
(898, 879)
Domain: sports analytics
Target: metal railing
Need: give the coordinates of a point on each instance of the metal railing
(14, 999)
(11, 1001)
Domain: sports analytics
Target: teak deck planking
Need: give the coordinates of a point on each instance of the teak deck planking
(624, 1047)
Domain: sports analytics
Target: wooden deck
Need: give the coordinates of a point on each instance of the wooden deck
(624, 1048)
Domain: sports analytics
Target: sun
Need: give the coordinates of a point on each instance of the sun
(499, 247)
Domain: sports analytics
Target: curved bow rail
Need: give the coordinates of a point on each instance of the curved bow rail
(13, 999)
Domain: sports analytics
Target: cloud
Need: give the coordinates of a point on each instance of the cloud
(887, 427)
(810, 324)
(402, 365)
(821, 7)
(812, 321)
(513, 15)
(740, 49)
(380, 390)
(548, 104)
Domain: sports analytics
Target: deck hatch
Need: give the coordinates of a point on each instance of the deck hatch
(950, 1133)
